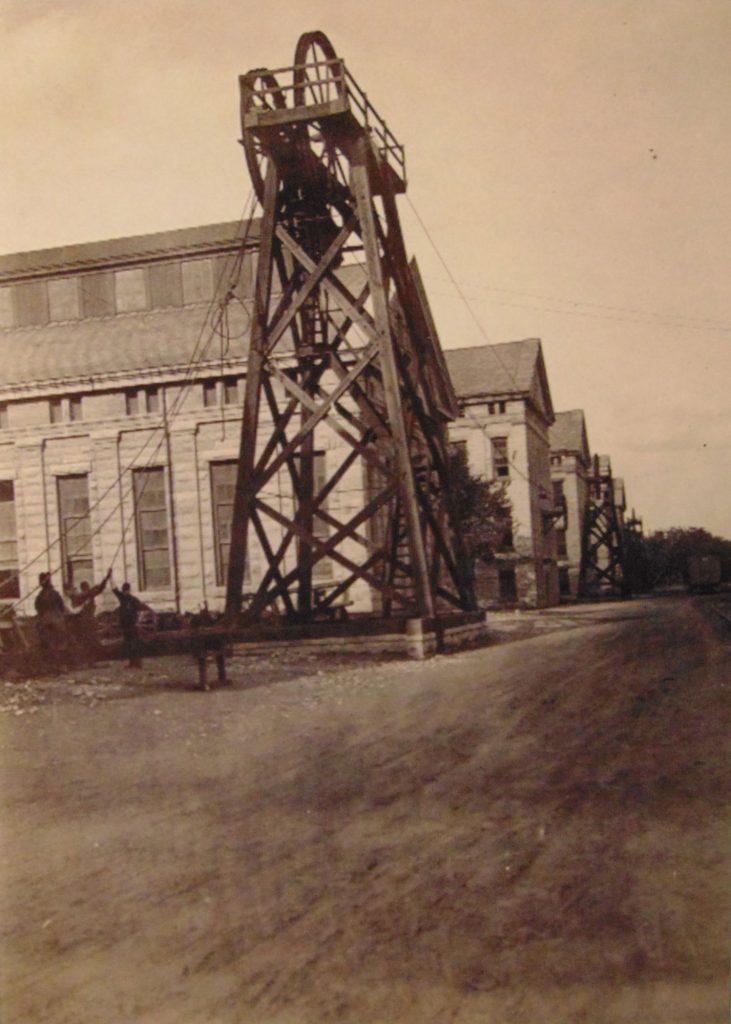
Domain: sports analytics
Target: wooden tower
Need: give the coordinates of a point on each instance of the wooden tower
(348, 347)
(602, 555)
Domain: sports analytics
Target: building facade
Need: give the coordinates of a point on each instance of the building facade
(121, 386)
(507, 413)
(570, 479)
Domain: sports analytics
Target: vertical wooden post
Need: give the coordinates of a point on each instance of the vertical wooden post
(245, 483)
(305, 518)
(360, 186)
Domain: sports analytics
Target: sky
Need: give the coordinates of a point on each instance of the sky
(568, 161)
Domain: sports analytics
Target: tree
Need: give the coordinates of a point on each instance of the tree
(667, 553)
(482, 508)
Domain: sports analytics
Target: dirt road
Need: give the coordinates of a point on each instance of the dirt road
(536, 831)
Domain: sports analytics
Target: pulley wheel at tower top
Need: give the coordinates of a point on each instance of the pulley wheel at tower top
(261, 91)
(316, 79)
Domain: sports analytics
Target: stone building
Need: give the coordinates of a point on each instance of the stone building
(122, 366)
(507, 413)
(570, 476)
(109, 452)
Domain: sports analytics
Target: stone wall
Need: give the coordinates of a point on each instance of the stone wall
(107, 446)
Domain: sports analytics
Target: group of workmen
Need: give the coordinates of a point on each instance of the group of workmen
(63, 630)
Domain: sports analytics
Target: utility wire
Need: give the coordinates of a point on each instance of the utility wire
(606, 316)
(494, 348)
(689, 321)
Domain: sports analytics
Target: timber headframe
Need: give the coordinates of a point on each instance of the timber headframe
(603, 569)
(343, 352)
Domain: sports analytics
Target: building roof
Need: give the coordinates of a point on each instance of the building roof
(513, 368)
(568, 433)
(121, 251)
(90, 351)
(84, 350)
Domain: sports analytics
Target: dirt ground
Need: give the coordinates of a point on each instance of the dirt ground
(533, 831)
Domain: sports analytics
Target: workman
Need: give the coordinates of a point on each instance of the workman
(129, 609)
(51, 613)
(83, 615)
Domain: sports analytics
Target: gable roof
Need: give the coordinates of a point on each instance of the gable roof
(568, 433)
(513, 368)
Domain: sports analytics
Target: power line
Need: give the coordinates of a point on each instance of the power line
(495, 348)
(714, 322)
(607, 316)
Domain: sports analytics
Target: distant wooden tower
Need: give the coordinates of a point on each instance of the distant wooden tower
(602, 556)
(350, 347)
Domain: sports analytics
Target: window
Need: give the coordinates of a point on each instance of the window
(555, 460)
(151, 516)
(506, 541)
(3, 415)
(231, 390)
(31, 303)
(9, 582)
(152, 400)
(131, 403)
(501, 407)
(62, 409)
(559, 498)
(226, 277)
(130, 290)
(564, 582)
(500, 463)
(142, 400)
(458, 450)
(561, 549)
(75, 410)
(491, 408)
(55, 410)
(75, 528)
(97, 294)
(210, 393)
(231, 273)
(63, 299)
(508, 586)
(166, 285)
(223, 489)
(197, 278)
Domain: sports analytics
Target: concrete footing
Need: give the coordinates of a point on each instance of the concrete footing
(412, 638)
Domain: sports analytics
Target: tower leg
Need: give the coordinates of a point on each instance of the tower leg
(245, 484)
(360, 186)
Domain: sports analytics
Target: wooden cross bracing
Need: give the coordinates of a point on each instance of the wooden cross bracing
(348, 352)
(602, 555)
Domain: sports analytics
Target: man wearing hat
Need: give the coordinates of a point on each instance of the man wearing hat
(51, 615)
